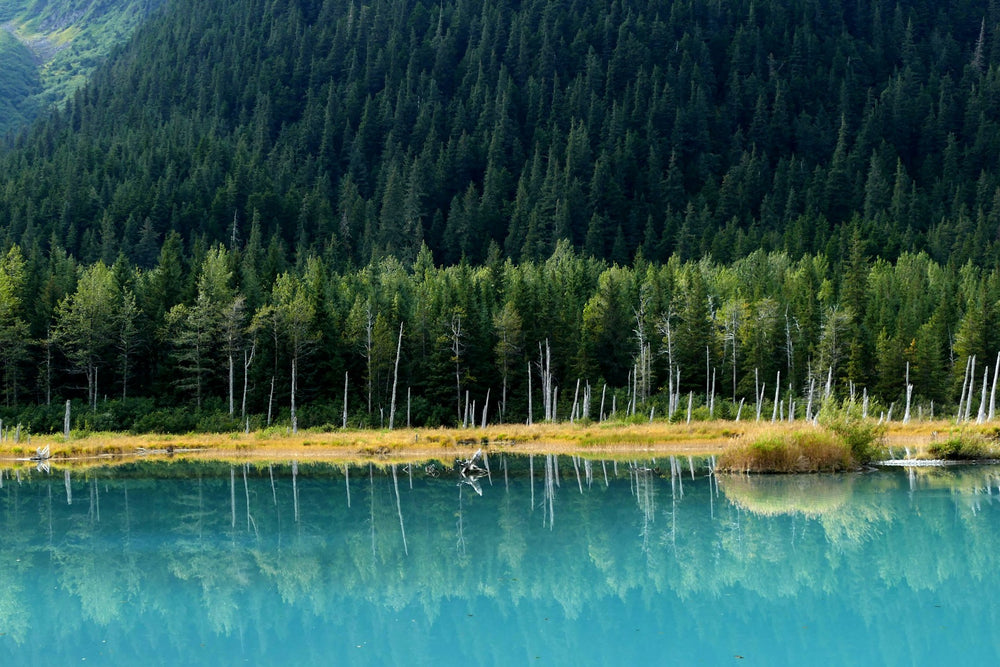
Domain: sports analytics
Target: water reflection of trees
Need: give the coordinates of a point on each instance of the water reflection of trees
(220, 549)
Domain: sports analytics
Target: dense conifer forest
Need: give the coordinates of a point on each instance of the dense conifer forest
(253, 200)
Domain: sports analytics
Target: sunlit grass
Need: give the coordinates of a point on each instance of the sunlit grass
(606, 440)
(809, 449)
(966, 446)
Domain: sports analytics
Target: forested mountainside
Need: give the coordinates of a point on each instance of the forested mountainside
(18, 82)
(49, 48)
(685, 127)
(664, 197)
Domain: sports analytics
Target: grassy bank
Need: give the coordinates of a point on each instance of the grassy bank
(382, 445)
(608, 440)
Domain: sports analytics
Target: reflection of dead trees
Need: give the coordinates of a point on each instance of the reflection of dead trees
(460, 525)
(531, 479)
(251, 523)
(470, 467)
(470, 472)
(399, 510)
(644, 488)
(473, 482)
(371, 507)
(94, 513)
(551, 481)
(295, 488)
(41, 458)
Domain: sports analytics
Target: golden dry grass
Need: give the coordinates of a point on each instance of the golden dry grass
(807, 449)
(611, 440)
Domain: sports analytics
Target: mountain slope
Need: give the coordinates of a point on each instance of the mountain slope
(19, 83)
(66, 40)
(685, 127)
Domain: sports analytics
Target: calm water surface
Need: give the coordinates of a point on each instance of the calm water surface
(546, 561)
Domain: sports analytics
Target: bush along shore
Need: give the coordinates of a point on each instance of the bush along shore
(841, 438)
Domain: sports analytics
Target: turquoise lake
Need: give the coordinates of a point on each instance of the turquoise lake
(548, 560)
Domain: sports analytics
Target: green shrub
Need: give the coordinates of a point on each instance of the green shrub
(217, 422)
(175, 420)
(963, 447)
(864, 436)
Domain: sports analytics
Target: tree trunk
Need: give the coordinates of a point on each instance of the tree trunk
(247, 360)
(395, 377)
(232, 382)
(270, 402)
(529, 393)
(295, 422)
(486, 405)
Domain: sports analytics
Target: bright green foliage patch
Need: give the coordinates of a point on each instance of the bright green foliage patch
(964, 447)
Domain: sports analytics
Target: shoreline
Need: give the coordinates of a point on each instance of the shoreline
(607, 440)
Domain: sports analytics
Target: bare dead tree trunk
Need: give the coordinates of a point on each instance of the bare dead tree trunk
(270, 402)
(972, 386)
(247, 360)
(545, 391)
(232, 382)
(981, 417)
(369, 347)
(576, 395)
(548, 392)
(993, 390)
(909, 393)
(486, 405)
(529, 393)
(295, 421)
(456, 350)
(965, 382)
(777, 394)
(395, 377)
